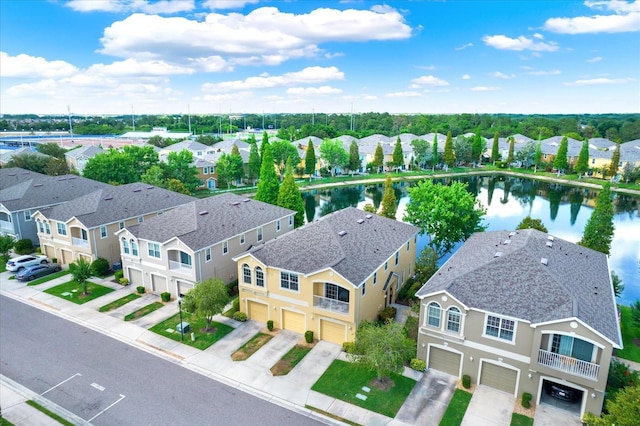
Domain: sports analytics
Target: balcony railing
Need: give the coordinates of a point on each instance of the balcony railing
(6, 226)
(332, 305)
(180, 267)
(568, 364)
(80, 242)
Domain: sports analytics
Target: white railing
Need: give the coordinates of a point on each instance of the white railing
(6, 226)
(179, 266)
(568, 364)
(80, 242)
(332, 305)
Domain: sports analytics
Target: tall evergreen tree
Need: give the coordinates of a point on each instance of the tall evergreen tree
(583, 159)
(512, 147)
(477, 146)
(388, 208)
(254, 162)
(398, 157)
(263, 145)
(435, 158)
(237, 165)
(615, 161)
(268, 185)
(289, 196)
(310, 160)
(598, 232)
(449, 155)
(560, 162)
(378, 157)
(495, 149)
(354, 157)
(537, 156)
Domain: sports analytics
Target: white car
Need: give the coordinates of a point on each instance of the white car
(19, 263)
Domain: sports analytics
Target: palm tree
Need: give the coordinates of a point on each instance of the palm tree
(81, 272)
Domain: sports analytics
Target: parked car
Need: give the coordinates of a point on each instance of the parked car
(562, 392)
(18, 263)
(37, 271)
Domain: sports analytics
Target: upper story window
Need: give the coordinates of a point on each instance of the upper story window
(246, 274)
(364, 288)
(125, 246)
(259, 277)
(140, 219)
(225, 247)
(278, 225)
(434, 313)
(47, 228)
(408, 245)
(501, 328)
(121, 225)
(27, 215)
(290, 221)
(397, 257)
(207, 254)
(242, 239)
(386, 265)
(40, 227)
(134, 248)
(62, 229)
(154, 250)
(260, 234)
(375, 278)
(289, 281)
(103, 232)
(453, 319)
(205, 170)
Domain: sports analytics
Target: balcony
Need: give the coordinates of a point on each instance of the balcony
(6, 226)
(332, 305)
(180, 267)
(568, 364)
(79, 242)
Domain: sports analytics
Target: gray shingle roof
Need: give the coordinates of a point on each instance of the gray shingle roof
(116, 203)
(227, 215)
(355, 255)
(575, 281)
(88, 151)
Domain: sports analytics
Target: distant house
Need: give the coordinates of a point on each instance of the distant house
(23, 192)
(328, 276)
(6, 157)
(522, 312)
(198, 240)
(78, 158)
(86, 226)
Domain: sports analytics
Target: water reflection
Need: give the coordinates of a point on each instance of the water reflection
(564, 210)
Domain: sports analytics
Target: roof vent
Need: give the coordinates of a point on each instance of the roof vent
(507, 242)
(150, 187)
(511, 234)
(369, 216)
(246, 200)
(544, 261)
(549, 243)
(360, 220)
(37, 185)
(137, 190)
(202, 213)
(498, 254)
(62, 178)
(108, 198)
(550, 237)
(342, 233)
(235, 203)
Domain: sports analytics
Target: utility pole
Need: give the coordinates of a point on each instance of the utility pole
(133, 118)
(189, 116)
(70, 123)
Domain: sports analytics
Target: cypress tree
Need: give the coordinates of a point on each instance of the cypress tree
(583, 159)
(354, 157)
(495, 149)
(289, 196)
(310, 160)
(615, 161)
(398, 158)
(561, 162)
(434, 151)
(537, 156)
(477, 146)
(254, 162)
(378, 157)
(263, 145)
(512, 143)
(449, 156)
(598, 232)
(268, 185)
(388, 208)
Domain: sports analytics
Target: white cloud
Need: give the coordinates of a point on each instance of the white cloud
(596, 59)
(625, 18)
(133, 67)
(407, 94)
(543, 72)
(466, 77)
(225, 97)
(427, 80)
(227, 4)
(601, 80)
(426, 67)
(370, 97)
(538, 36)
(503, 42)
(313, 91)
(503, 76)
(128, 6)
(309, 75)
(484, 89)
(32, 66)
(464, 46)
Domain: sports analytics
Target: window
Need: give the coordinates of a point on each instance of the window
(27, 215)
(386, 265)
(570, 346)
(62, 229)
(205, 170)
(453, 320)
(40, 227)
(375, 278)
(408, 244)
(289, 281)
(242, 238)
(121, 225)
(154, 250)
(260, 234)
(259, 277)
(364, 288)
(198, 153)
(225, 247)
(278, 225)
(433, 314)
(207, 254)
(185, 258)
(83, 234)
(335, 292)
(246, 274)
(125, 246)
(103, 232)
(501, 328)
(134, 248)
(47, 228)
(397, 257)
(290, 221)
(140, 219)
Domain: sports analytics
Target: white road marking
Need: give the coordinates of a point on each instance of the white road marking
(62, 382)
(97, 386)
(120, 399)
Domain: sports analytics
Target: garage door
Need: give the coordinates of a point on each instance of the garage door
(135, 277)
(67, 257)
(498, 377)
(293, 321)
(158, 283)
(184, 288)
(445, 361)
(49, 251)
(257, 311)
(332, 332)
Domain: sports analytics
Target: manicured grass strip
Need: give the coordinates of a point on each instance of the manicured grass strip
(343, 380)
(145, 310)
(251, 347)
(290, 360)
(72, 291)
(521, 420)
(331, 415)
(49, 413)
(630, 331)
(456, 409)
(117, 303)
(167, 328)
(231, 311)
(49, 277)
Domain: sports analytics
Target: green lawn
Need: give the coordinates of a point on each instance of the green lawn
(630, 331)
(49, 413)
(120, 302)
(49, 277)
(145, 310)
(456, 409)
(520, 420)
(203, 340)
(72, 291)
(343, 380)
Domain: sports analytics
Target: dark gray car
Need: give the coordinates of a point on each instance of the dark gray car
(37, 271)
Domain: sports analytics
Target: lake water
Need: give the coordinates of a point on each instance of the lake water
(564, 210)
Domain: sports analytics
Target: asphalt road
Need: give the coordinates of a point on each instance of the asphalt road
(107, 382)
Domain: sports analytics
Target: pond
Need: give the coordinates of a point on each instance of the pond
(564, 210)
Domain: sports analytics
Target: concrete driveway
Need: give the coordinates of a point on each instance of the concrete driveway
(489, 407)
(548, 415)
(428, 400)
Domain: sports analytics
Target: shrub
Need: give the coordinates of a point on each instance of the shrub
(165, 296)
(270, 325)
(6, 243)
(236, 304)
(466, 381)
(232, 288)
(413, 290)
(124, 281)
(635, 312)
(418, 364)
(118, 275)
(404, 291)
(349, 347)
(240, 316)
(23, 246)
(54, 260)
(388, 313)
(140, 289)
(308, 336)
(100, 267)
(526, 400)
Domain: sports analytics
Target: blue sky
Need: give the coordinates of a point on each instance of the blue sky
(240, 56)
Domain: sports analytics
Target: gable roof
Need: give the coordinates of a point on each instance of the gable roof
(86, 150)
(574, 282)
(9, 155)
(116, 203)
(369, 240)
(226, 215)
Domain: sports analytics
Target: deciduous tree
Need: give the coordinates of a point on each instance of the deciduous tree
(112, 166)
(530, 223)
(354, 157)
(537, 156)
(56, 167)
(421, 152)
(179, 167)
(478, 146)
(282, 151)
(289, 196)
(624, 410)
(334, 154)
(207, 299)
(388, 208)
(268, 185)
(598, 232)
(51, 149)
(426, 264)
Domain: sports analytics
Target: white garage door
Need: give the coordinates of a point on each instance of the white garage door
(445, 361)
(158, 283)
(183, 288)
(498, 377)
(135, 277)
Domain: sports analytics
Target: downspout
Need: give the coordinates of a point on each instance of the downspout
(199, 267)
(93, 240)
(19, 233)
